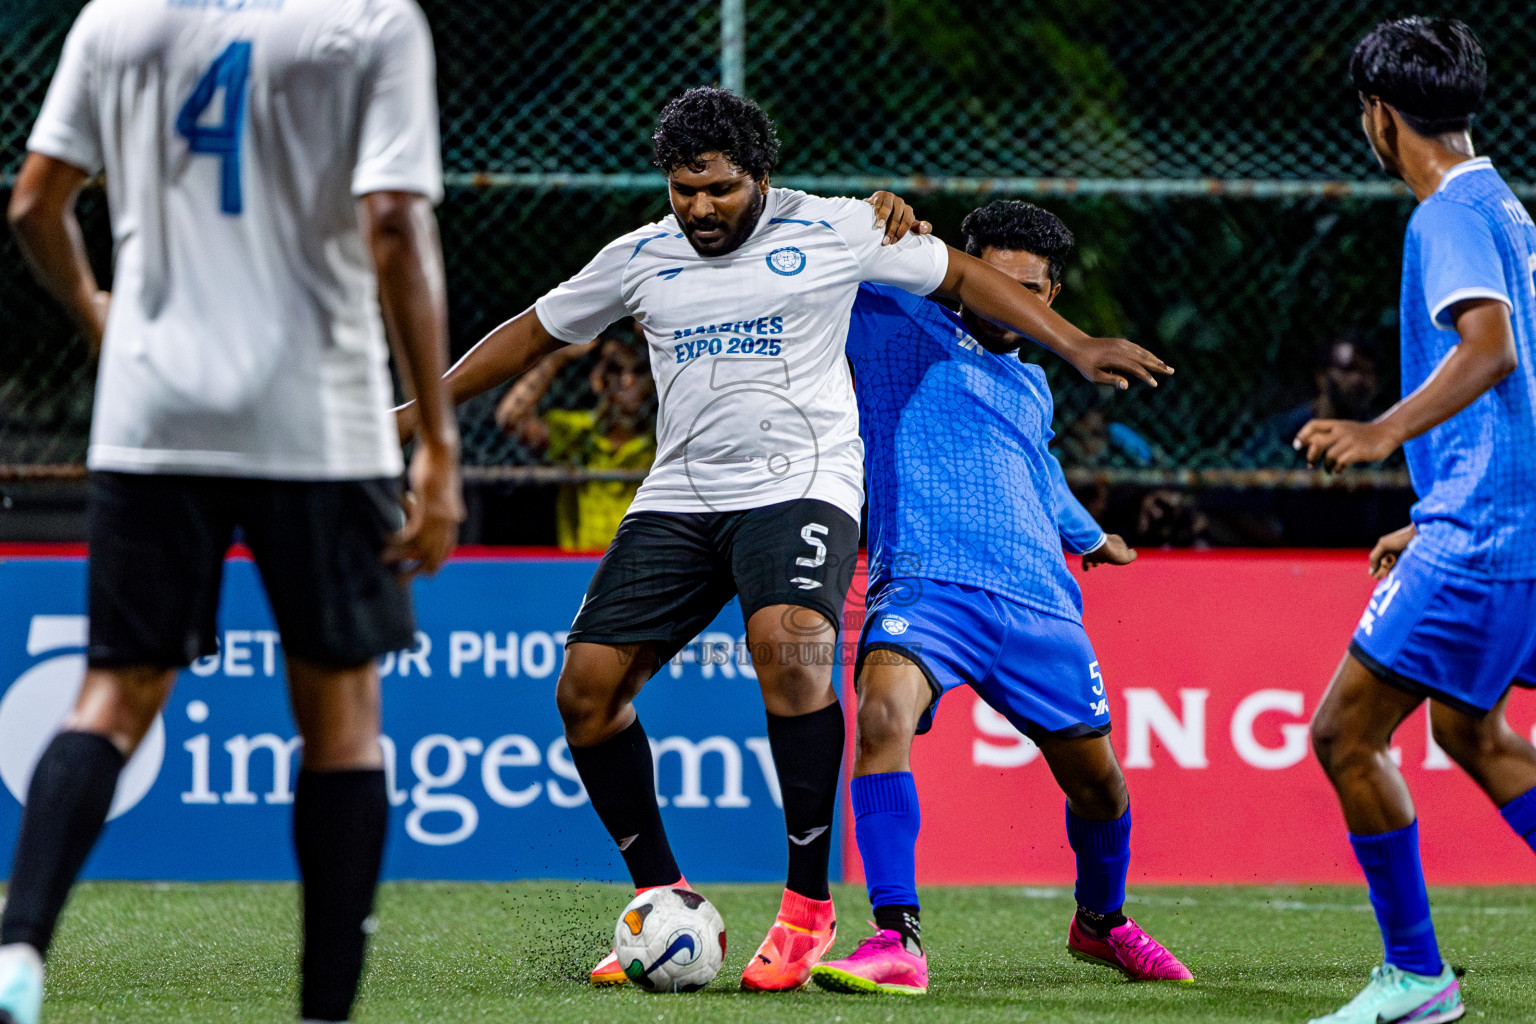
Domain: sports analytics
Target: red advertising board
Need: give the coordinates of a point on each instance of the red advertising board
(1215, 662)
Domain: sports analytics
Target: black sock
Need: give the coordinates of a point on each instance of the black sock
(620, 777)
(904, 921)
(339, 822)
(808, 752)
(67, 803)
(1098, 925)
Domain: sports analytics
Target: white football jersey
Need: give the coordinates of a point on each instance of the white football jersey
(244, 337)
(756, 403)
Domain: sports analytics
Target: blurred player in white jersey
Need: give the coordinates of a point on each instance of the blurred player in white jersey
(271, 172)
(744, 294)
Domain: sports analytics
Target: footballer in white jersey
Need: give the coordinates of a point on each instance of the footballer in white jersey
(744, 294)
(756, 400)
(271, 168)
(234, 144)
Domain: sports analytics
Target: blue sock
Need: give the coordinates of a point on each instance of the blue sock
(1521, 815)
(885, 823)
(1103, 851)
(1396, 879)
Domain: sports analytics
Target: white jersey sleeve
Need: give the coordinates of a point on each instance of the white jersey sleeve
(398, 146)
(576, 310)
(916, 264)
(66, 125)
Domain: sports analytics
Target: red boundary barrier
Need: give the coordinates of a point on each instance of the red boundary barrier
(1215, 662)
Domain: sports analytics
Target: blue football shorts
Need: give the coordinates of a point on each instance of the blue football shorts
(1461, 640)
(1037, 670)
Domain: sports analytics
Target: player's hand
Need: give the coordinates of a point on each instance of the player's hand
(1384, 555)
(407, 422)
(434, 508)
(894, 215)
(1114, 551)
(1110, 360)
(1340, 443)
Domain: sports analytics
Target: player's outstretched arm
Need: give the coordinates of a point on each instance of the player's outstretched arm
(42, 214)
(1080, 533)
(991, 293)
(1485, 356)
(506, 352)
(402, 235)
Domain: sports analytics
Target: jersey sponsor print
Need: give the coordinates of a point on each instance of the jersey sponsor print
(755, 401)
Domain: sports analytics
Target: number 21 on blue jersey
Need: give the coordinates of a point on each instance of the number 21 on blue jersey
(229, 70)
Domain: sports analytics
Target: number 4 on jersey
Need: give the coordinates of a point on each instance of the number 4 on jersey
(229, 71)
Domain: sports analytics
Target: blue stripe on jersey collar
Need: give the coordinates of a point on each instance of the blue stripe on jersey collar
(1481, 163)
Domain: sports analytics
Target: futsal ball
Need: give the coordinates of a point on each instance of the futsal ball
(670, 940)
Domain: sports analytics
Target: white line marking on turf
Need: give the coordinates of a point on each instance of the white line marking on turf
(1282, 905)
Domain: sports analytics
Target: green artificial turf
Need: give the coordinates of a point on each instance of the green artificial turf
(520, 952)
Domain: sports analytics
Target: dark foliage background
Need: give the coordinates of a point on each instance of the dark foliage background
(547, 110)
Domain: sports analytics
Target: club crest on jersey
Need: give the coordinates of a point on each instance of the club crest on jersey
(787, 261)
(894, 625)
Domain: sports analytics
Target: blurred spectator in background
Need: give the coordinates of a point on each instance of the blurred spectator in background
(1094, 440)
(619, 433)
(1172, 519)
(1345, 385)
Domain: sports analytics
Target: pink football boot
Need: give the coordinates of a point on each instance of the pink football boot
(1129, 950)
(882, 963)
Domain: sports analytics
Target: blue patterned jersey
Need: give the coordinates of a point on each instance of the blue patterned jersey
(960, 481)
(1475, 474)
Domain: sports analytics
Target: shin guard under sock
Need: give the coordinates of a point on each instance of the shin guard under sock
(340, 819)
(886, 819)
(1103, 850)
(1396, 879)
(620, 777)
(67, 804)
(808, 753)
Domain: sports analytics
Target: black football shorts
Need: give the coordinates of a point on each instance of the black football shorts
(157, 546)
(668, 574)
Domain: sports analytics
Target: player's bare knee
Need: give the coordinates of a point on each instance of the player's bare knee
(885, 723)
(1344, 754)
(581, 709)
(596, 687)
(1097, 799)
(794, 688)
(1105, 793)
(121, 703)
(1329, 738)
(589, 713)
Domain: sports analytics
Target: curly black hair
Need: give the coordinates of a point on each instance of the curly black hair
(1015, 224)
(1431, 70)
(710, 120)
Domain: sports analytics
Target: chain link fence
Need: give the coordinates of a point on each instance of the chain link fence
(1207, 156)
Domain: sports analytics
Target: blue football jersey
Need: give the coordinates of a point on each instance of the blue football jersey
(961, 485)
(1475, 474)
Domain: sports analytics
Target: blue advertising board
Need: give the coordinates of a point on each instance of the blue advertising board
(480, 778)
